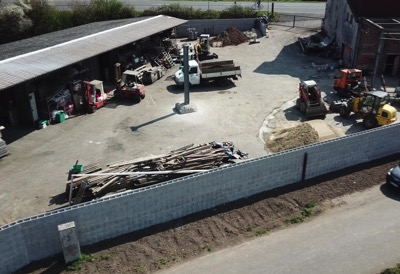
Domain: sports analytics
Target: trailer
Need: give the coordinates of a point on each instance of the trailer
(209, 71)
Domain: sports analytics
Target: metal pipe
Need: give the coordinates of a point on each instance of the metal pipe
(70, 190)
(141, 173)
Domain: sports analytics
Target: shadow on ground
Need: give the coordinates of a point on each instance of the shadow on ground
(390, 192)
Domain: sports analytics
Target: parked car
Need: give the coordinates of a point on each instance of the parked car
(393, 176)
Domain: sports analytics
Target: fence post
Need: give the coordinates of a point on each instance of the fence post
(303, 174)
(294, 21)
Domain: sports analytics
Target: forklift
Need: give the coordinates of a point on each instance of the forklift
(93, 95)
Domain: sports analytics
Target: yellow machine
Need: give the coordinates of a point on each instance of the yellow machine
(202, 48)
(373, 107)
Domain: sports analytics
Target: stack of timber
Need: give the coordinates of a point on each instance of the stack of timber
(125, 175)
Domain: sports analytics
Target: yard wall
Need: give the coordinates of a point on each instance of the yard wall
(214, 26)
(37, 237)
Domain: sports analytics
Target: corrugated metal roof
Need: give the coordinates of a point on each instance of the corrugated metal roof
(29, 65)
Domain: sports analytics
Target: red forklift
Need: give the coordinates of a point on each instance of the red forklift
(127, 85)
(93, 95)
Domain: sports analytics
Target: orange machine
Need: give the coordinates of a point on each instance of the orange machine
(349, 83)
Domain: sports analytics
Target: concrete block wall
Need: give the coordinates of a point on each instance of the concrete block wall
(214, 26)
(37, 237)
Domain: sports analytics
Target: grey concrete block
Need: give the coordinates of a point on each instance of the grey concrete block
(69, 241)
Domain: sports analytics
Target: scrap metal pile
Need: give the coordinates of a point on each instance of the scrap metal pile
(231, 36)
(94, 182)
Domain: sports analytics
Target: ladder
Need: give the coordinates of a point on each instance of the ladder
(167, 57)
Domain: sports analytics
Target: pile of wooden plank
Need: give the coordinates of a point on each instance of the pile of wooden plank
(124, 175)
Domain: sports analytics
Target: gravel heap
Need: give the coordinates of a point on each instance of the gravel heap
(231, 36)
(287, 138)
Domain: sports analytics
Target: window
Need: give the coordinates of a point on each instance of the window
(193, 70)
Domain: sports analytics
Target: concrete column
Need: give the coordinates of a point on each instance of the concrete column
(186, 73)
(69, 242)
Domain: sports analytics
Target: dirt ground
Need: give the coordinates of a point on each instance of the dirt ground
(162, 246)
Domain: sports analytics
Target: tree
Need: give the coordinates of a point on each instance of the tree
(14, 24)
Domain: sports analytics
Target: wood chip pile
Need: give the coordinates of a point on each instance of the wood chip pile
(152, 170)
(230, 37)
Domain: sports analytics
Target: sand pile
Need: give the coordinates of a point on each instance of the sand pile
(287, 138)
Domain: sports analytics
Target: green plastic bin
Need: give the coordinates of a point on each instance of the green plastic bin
(60, 117)
(77, 169)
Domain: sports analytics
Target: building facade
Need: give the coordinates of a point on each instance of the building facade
(367, 33)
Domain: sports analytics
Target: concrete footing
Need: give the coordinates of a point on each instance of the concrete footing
(183, 108)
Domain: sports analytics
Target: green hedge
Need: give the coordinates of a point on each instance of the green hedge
(37, 17)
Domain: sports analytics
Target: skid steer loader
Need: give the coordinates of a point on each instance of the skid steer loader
(309, 101)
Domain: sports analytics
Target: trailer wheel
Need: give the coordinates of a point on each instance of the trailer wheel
(370, 122)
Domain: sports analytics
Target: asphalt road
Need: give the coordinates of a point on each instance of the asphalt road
(359, 236)
(317, 9)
